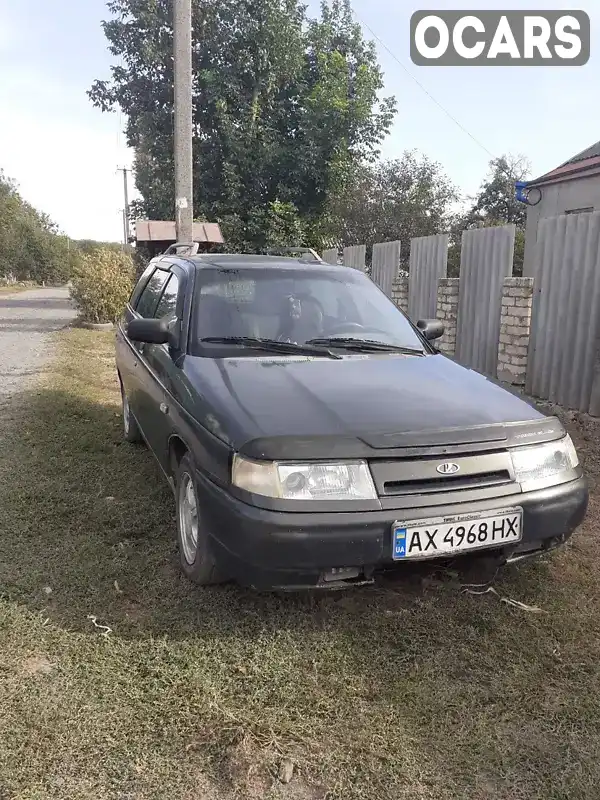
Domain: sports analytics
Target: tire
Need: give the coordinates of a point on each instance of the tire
(196, 559)
(131, 431)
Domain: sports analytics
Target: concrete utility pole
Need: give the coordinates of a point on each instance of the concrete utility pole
(124, 170)
(182, 54)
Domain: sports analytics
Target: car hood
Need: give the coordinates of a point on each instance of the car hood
(289, 407)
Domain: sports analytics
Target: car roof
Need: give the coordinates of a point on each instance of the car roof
(242, 261)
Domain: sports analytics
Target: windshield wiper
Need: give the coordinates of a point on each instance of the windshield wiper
(365, 345)
(273, 345)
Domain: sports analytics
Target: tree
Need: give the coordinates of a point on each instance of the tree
(87, 246)
(495, 204)
(394, 200)
(31, 247)
(283, 107)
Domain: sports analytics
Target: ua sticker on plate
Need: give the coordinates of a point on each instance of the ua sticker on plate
(400, 543)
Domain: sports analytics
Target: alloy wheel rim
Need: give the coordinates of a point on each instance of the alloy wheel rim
(188, 518)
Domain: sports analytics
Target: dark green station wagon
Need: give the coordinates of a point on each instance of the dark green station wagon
(313, 435)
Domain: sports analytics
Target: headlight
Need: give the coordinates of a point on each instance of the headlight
(543, 461)
(349, 480)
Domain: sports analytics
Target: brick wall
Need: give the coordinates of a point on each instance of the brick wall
(400, 292)
(447, 312)
(515, 326)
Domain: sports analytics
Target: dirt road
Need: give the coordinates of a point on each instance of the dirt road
(26, 321)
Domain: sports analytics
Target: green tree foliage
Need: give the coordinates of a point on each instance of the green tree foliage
(284, 107)
(102, 284)
(495, 204)
(91, 245)
(31, 249)
(393, 200)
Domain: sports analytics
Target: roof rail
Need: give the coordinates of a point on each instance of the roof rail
(304, 253)
(182, 248)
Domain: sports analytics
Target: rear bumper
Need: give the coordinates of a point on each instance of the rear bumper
(268, 549)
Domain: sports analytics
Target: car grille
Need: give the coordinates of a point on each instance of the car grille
(412, 477)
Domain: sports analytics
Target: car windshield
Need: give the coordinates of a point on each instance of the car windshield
(294, 305)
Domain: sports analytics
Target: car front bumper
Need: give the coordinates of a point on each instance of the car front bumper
(274, 549)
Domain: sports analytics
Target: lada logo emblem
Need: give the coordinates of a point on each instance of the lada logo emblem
(448, 469)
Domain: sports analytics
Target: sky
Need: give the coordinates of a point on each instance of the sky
(64, 154)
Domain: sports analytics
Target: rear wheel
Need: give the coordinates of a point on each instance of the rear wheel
(131, 431)
(195, 555)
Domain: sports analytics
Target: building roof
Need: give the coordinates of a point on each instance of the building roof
(589, 152)
(583, 164)
(164, 231)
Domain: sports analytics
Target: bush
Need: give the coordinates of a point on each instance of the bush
(31, 247)
(101, 285)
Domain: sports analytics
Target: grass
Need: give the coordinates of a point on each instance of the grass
(14, 288)
(410, 689)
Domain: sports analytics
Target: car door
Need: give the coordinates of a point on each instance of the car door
(162, 366)
(130, 355)
(126, 352)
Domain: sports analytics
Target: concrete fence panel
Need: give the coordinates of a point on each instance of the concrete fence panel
(355, 256)
(385, 265)
(331, 256)
(486, 259)
(564, 344)
(428, 263)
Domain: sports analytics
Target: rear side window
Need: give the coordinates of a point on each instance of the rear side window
(139, 287)
(148, 301)
(168, 302)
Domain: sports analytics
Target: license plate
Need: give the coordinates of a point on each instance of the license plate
(428, 538)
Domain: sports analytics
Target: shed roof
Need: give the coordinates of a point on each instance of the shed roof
(583, 164)
(147, 230)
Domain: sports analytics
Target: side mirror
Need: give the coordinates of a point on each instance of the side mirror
(430, 328)
(150, 331)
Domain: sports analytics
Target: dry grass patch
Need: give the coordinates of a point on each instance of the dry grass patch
(408, 690)
(15, 288)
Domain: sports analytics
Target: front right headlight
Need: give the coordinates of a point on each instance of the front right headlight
(343, 480)
(539, 462)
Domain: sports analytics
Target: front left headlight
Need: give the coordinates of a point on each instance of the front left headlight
(539, 462)
(346, 480)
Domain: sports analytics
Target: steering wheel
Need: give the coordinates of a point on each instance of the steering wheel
(343, 327)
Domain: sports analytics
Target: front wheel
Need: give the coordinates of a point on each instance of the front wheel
(195, 555)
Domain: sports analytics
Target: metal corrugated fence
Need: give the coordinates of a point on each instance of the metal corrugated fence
(331, 255)
(428, 263)
(486, 259)
(565, 329)
(385, 265)
(355, 256)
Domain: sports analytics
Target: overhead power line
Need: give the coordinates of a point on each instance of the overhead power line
(420, 85)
